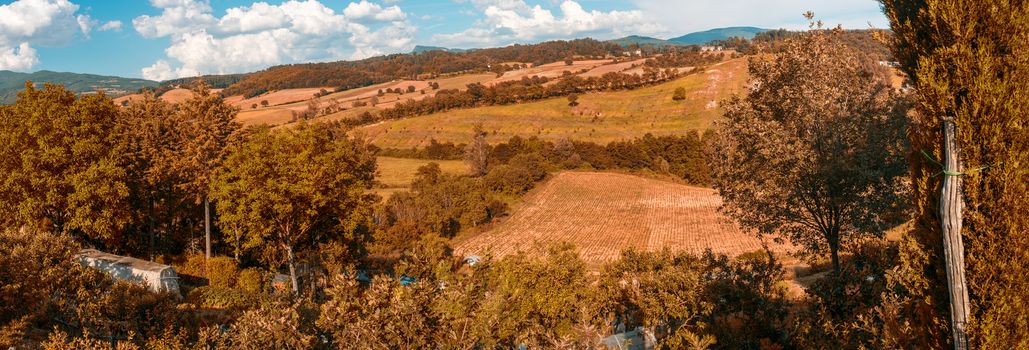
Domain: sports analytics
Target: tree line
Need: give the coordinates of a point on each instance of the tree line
(679, 155)
(526, 89)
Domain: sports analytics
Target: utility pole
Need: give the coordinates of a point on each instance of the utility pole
(951, 204)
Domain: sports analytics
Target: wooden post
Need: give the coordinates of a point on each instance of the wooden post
(951, 204)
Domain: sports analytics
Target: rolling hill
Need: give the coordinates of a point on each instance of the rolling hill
(600, 117)
(423, 48)
(12, 82)
(717, 34)
(644, 41)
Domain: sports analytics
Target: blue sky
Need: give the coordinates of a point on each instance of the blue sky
(164, 39)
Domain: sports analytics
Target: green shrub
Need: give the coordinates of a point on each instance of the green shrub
(250, 280)
(194, 266)
(679, 94)
(227, 298)
(222, 272)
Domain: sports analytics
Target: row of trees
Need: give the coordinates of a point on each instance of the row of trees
(526, 89)
(682, 156)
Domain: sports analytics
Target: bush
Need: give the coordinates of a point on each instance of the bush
(518, 176)
(250, 280)
(222, 272)
(679, 94)
(227, 298)
(193, 266)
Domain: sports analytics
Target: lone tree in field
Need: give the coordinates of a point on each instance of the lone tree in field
(573, 100)
(815, 152)
(476, 154)
(295, 188)
(679, 94)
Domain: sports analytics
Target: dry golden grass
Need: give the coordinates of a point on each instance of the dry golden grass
(176, 95)
(171, 96)
(268, 116)
(549, 70)
(613, 67)
(275, 98)
(605, 213)
(600, 117)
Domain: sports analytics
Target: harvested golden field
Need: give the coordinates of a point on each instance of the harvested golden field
(268, 116)
(275, 98)
(605, 213)
(600, 117)
(613, 67)
(549, 70)
(282, 113)
(171, 96)
(396, 174)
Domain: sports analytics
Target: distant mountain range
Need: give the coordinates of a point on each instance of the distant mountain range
(696, 38)
(718, 34)
(12, 82)
(644, 41)
(423, 48)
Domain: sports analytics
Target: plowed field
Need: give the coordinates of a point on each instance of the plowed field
(605, 213)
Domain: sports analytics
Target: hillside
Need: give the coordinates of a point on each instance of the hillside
(717, 34)
(605, 213)
(12, 82)
(644, 41)
(346, 75)
(600, 117)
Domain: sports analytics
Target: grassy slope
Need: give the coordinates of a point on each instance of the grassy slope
(600, 117)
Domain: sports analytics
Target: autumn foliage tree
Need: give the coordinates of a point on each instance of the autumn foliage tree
(294, 188)
(966, 60)
(151, 141)
(477, 153)
(60, 163)
(207, 126)
(803, 158)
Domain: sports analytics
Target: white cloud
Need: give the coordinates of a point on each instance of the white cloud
(509, 21)
(160, 70)
(515, 5)
(86, 24)
(37, 22)
(253, 37)
(365, 10)
(20, 58)
(177, 17)
(681, 17)
(111, 25)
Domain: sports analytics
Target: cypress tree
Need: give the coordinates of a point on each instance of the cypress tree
(967, 60)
